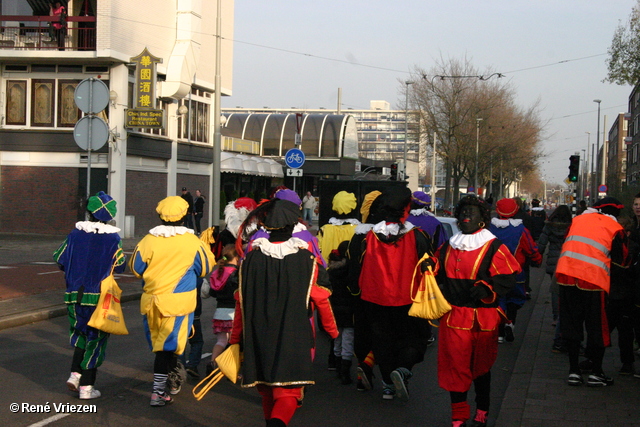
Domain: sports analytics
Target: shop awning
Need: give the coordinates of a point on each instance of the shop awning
(250, 165)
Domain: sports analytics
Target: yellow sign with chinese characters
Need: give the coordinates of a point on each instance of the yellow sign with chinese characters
(144, 113)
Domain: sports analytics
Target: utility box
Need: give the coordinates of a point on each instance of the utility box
(330, 187)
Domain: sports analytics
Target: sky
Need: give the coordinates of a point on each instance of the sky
(298, 53)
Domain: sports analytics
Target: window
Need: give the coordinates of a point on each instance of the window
(16, 102)
(68, 112)
(42, 99)
(194, 126)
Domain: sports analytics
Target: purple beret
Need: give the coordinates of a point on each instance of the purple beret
(288, 195)
(421, 198)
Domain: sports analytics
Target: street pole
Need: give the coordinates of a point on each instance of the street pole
(592, 179)
(587, 176)
(597, 183)
(475, 183)
(583, 174)
(605, 154)
(433, 174)
(217, 136)
(406, 124)
(491, 177)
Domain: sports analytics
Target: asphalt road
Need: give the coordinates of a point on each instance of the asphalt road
(35, 360)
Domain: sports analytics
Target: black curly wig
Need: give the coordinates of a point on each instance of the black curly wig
(474, 201)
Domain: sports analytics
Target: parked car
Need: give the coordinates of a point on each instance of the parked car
(450, 225)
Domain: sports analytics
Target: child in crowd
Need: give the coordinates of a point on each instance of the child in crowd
(224, 282)
(343, 305)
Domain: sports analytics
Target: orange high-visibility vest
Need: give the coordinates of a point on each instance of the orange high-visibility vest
(585, 253)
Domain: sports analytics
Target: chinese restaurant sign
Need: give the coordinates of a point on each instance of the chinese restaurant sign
(144, 114)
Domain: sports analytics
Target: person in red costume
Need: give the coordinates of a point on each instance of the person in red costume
(281, 283)
(474, 270)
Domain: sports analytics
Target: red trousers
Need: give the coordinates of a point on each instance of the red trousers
(467, 346)
(279, 402)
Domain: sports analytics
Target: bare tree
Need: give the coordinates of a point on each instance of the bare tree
(451, 96)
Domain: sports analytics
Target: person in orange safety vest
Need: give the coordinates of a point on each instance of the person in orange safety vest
(594, 244)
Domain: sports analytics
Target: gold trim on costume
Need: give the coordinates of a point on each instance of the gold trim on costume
(280, 384)
(479, 258)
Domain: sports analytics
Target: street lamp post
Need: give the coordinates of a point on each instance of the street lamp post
(475, 179)
(587, 174)
(406, 124)
(582, 174)
(597, 183)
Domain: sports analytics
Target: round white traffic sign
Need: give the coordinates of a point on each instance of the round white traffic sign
(91, 96)
(91, 132)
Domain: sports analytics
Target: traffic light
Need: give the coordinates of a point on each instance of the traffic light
(574, 168)
(394, 171)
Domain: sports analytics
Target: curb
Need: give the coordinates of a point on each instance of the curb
(51, 312)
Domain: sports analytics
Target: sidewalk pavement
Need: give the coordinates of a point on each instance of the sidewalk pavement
(537, 395)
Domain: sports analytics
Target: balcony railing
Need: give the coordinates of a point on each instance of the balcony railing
(19, 32)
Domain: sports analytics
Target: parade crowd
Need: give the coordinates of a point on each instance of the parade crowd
(278, 288)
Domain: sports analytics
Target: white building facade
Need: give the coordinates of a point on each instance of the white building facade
(39, 158)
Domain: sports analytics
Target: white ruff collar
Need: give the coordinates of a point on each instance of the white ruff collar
(537, 209)
(279, 250)
(392, 228)
(471, 242)
(419, 212)
(592, 211)
(299, 227)
(96, 227)
(363, 228)
(336, 221)
(169, 230)
(504, 223)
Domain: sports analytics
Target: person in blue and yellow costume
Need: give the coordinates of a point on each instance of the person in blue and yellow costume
(169, 259)
(341, 226)
(91, 252)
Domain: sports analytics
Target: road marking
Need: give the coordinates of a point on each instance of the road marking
(123, 275)
(49, 272)
(6, 267)
(44, 263)
(49, 420)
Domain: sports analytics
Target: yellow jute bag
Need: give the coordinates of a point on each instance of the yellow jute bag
(229, 363)
(428, 302)
(108, 315)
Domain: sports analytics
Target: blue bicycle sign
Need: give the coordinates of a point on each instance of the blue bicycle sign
(294, 158)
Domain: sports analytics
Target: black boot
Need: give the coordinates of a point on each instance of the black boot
(331, 364)
(275, 422)
(339, 368)
(345, 371)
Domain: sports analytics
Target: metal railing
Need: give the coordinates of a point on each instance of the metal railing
(19, 32)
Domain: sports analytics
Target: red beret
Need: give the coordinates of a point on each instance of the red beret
(506, 208)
